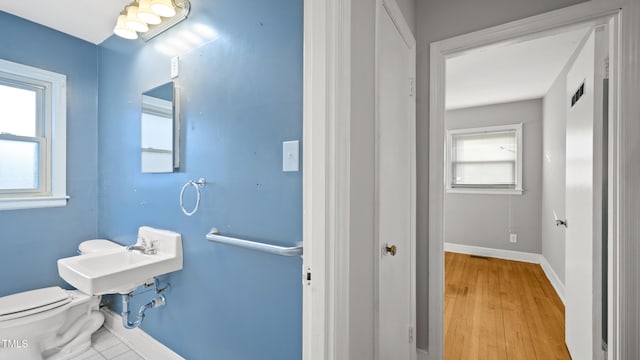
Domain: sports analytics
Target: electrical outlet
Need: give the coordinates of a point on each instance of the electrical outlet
(513, 238)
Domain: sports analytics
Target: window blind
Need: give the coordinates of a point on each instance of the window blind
(484, 160)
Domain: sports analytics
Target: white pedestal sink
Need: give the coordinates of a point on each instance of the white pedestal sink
(121, 271)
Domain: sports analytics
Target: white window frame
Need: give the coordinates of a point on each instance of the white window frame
(53, 182)
(518, 190)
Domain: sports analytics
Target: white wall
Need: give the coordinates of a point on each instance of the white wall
(553, 173)
(483, 220)
(554, 105)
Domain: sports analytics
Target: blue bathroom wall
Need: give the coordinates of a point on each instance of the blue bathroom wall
(241, 97)
(31, 241)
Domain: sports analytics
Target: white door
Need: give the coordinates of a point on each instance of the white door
(395, 186)
(584, 152)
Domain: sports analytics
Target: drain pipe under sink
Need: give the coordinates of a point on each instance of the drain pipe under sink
(158, 301)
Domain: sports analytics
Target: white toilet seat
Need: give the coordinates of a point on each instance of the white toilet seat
(95, 245)
(32, 302)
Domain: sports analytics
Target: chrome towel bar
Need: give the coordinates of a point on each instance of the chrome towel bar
(214, 236)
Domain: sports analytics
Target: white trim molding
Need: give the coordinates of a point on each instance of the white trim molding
(423, 354)
(18, 203)
(515, 256)
(624, 306)
(553, 277)
(495, 253)
(326, 179)
(53, 177)
(138, 340)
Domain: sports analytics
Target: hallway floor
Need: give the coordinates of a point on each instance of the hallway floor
(500, 309)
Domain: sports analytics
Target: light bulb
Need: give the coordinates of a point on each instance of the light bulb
(133, 22)
(123, 30)
(145, 14)
(163, 8)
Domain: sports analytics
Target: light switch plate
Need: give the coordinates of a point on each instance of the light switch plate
(290, 156)
(175, 67)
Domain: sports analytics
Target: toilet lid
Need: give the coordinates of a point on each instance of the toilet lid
(32, 302)
(95, 245)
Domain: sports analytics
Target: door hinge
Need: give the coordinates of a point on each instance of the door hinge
(411, 334)
(412, 86)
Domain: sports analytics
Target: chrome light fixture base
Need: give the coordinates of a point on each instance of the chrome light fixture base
(183, 7)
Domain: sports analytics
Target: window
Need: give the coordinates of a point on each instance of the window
(485, 160)
(32, 137)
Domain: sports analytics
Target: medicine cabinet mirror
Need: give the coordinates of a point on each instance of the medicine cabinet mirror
(160, 129)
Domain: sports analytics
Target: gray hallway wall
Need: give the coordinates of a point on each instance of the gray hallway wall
(408, 9)
(483, 219)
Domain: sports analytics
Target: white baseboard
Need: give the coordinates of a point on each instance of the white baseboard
(553, 278)
(496, 253)
(512, 255)
(138, 340)
(423, 355)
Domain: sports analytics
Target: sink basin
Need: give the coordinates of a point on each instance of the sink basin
(121, 271)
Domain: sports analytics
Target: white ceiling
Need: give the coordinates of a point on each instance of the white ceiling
(513, 72)
(90, 20)
(491, 75)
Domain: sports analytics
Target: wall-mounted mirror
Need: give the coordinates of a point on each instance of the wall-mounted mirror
(160, 129)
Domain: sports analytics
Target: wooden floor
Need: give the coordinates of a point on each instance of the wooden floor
(499, 309)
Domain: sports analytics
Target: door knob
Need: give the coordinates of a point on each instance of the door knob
(559, 222)
(390, 249)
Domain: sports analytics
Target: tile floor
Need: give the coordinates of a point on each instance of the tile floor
(105, 346)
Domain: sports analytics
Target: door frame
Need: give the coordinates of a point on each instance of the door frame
(326, 179)
(622, 12)
(392, 8)
(327, 30)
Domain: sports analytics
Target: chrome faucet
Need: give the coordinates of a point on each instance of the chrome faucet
(144, 246)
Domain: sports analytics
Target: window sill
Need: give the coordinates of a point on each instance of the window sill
(486, 191)
(35, 202)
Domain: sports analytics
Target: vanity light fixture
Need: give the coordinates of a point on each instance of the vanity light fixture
(133, 22)
(150, 18)
(146, 14)
(123, 30)
(163, 8)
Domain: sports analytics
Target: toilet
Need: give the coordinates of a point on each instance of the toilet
(50, 323)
